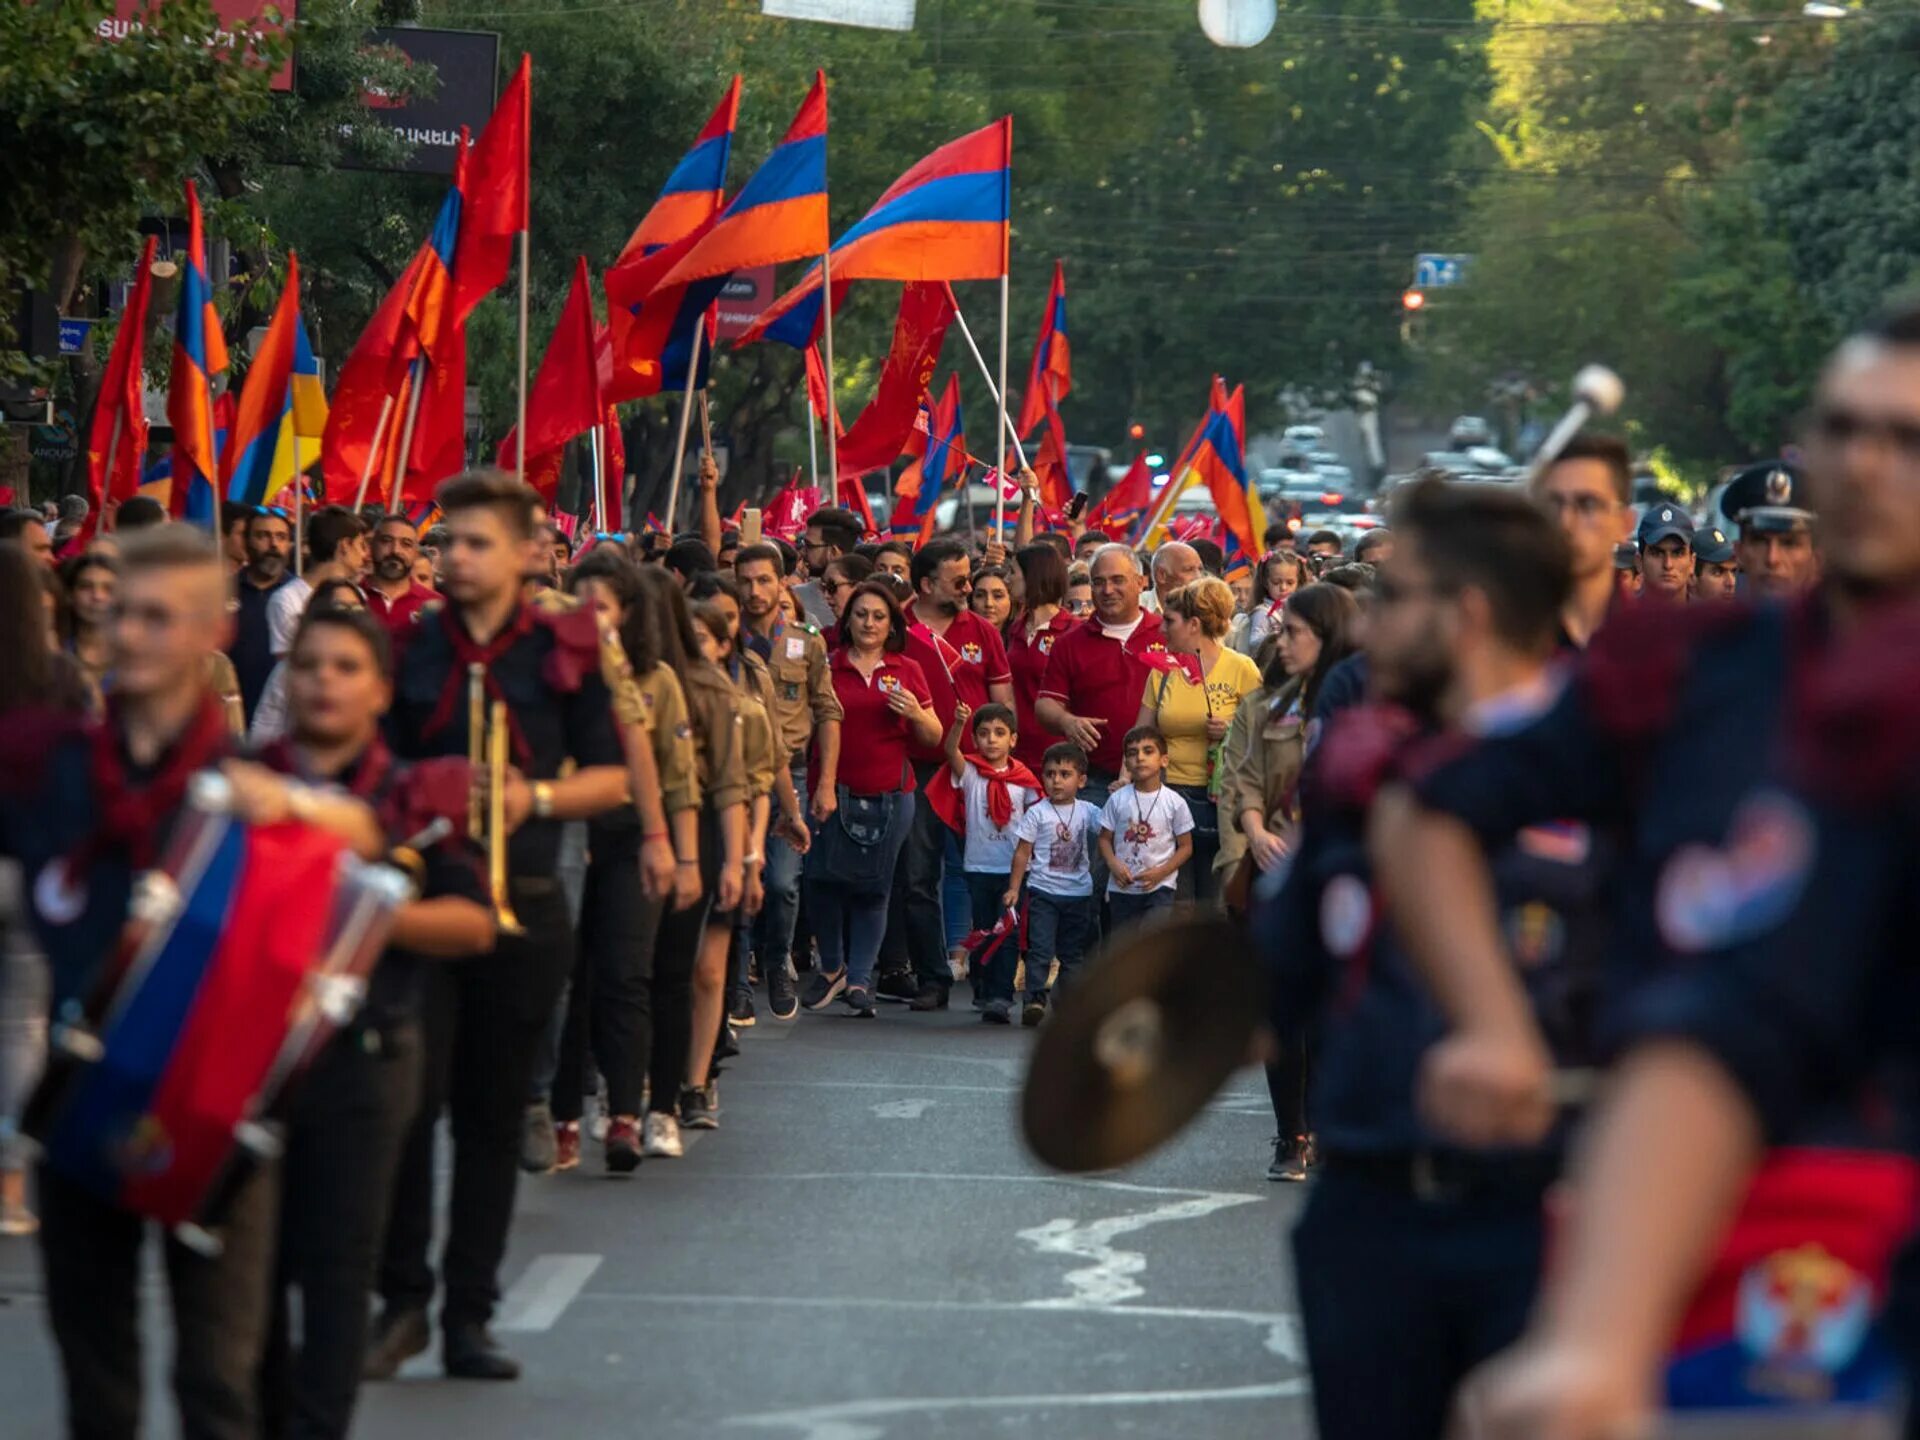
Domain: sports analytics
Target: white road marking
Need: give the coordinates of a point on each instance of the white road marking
(843, 1421)
(902, 1109)
(878, 1085)
(543, 1292)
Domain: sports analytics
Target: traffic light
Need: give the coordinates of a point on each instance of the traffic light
(1411, 300)
(1136, 431)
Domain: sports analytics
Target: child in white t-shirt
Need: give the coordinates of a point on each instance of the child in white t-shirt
(995, 791)
(1055, 860)
(1146, 831)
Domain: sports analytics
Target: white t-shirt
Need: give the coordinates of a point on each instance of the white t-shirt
(1063, 838)
(989, 849)
(1144, 828)
(284, 609)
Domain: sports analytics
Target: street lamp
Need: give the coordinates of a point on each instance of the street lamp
(1237, 24)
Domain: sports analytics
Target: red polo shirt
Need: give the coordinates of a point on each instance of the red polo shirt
(1092, 675)
(1028, 662)
(399, 614)
(873, 740)
(976, 659)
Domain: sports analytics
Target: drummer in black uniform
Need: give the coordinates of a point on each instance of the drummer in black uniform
(85, 811)
(1416, 1259)
(352, 1111)
(485, 1016)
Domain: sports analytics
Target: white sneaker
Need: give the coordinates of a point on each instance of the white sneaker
(661, 1137)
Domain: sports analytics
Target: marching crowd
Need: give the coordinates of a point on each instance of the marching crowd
(753, 775)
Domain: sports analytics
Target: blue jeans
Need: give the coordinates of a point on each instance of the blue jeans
(773, 931)
(956, 891)
(850, 921)
(1125, 909)
(1058, 927)
(984, 890)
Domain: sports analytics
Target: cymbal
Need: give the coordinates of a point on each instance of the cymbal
(1141, 1042)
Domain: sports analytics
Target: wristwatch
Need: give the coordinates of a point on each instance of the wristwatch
(543, 799)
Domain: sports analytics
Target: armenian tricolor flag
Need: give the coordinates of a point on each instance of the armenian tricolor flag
(304, 420)
(1050, 377)
(696, 190)
(946, 218)
(779, 214)
(264, 400)
(1218, 463)
(199, 354)
(942, 461)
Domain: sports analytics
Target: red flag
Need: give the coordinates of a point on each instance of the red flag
(439, 447)
(117, 439)
(613, 460)
(880, 434)
(817, 384)
(1050, 465)
(565, 398)
(497, 192)
(1123, 503)
(1050, 377)
(1158, 658)
(853, 495)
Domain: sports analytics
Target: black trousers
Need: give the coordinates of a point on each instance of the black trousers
(676, 947)
(916, 920)
(91, 1254)
(610, 1005)
(1401, 1297)
(482, 1021)
(344, 1136)
(1287, 1084)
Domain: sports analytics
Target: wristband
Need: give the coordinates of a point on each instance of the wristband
(752, 860)
(654, 835)
(543, 800)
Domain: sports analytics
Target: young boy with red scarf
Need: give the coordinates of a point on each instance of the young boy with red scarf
(983, 795)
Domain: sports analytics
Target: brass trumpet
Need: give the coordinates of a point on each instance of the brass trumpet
(488, 739)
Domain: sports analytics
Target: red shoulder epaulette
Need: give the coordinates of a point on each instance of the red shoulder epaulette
(26, 741)
(1359, 753)
(1630, 676)
(1854, 708)
(576, 647)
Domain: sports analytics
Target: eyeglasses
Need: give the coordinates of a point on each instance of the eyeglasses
(1843, 427)
(829, 588)
(1079, 607)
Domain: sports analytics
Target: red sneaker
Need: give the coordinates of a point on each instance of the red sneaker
(623, 1145)
(566, 1145)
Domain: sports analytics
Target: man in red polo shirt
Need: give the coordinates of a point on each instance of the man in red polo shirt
(965, 651)
(1090, 692)
(393, 595)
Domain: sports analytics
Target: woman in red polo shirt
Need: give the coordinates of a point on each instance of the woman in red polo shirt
(849, 870)
(1030, 639)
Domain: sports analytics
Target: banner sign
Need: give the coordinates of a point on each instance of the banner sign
(466, 64)
(742, 299)
(867, 14)
(234, 16)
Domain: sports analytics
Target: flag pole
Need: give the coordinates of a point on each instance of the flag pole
(373, 453)
(987, 375)
(299, 566)
(520, 432)
(599, 485)
(686, 415)
(406, 434)
(1000, 398)
(813, 446)
(833, 408)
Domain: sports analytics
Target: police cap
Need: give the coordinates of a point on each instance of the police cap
(1711, 546)
(1768, 497)
(1626, 556)
(1663, 520)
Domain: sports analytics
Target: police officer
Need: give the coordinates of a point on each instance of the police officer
(804, 709)
(1665, 544)
(1716, 569)
(85, 811)
(485, 1015)
(1769, 505)
(1416, 1259)
(350, 1115)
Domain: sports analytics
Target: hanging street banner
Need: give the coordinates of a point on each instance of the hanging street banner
(235, 16)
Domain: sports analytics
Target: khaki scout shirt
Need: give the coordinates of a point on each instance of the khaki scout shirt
(803, 695)
(757, 745)
(714, 706)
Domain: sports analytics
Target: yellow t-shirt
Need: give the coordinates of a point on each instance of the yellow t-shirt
(1182, 710)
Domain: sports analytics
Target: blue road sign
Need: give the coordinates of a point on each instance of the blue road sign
(73, 335)
(1437, 272)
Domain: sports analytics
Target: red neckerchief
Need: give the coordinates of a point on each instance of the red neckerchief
(129, 814)
(999, 796)
(468, 652)
(369, 768)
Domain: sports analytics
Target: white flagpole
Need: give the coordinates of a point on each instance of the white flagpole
(686, 415)
(1000, 398)
(106, 475)
(813, 446)
(520, 445)
(833, 408)
(599, 485)
(987, 375)
(406, 432)
(373, 453)
(298, 565)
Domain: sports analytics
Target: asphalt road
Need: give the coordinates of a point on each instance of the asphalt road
(862, 1251)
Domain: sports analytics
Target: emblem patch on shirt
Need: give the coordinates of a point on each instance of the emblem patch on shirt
(1045, 643)
(970, 651)
(1346, 915)
(1711, 898)
(887, 683)
(796, 647)
(683, 731)
(1535, 933)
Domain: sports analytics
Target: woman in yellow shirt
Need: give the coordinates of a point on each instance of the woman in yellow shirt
(1194, 718)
